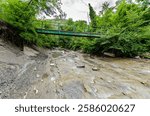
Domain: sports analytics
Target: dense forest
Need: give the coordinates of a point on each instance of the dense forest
(124, 28)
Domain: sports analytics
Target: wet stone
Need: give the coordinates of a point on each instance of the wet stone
(87, 88)
(35, 91)
(145, 72)
(52, 64)
(114, 66)
(12, 67)
(137, 57)
(143, 83)
(123, 93)
(25, 95)
(63, 52)
(61, 84)
(81, 66)
(109, 81)
(101, 78)
(52, 79)
(37, 75)
(109, 54)
(95, 69)
(92, 82)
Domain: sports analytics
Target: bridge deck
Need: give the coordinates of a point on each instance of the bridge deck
(67, 33)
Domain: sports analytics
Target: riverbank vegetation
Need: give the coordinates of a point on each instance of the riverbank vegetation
(124, 28)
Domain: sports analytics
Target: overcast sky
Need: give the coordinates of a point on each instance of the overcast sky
(78, 9)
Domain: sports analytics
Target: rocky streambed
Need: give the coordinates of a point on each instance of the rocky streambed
(59, 73)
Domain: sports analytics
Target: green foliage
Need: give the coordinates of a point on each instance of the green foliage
(80, 26)
(47, 41)
(22, 14)
(124, 29)
(76, 26)
(105, 7)
(125, 32)
(93, 18)
(16, 14)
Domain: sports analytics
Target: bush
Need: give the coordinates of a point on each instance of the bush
(124, 29)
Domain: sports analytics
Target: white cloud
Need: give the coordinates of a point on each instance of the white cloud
(78, 9)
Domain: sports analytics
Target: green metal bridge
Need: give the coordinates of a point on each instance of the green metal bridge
(54, 28)
(68, 33)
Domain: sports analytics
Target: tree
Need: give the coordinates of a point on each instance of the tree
(92, 14)
(105, 7)
(118, 2)
(21, 14)
(145, 3)
(124, 32)
(49, 7)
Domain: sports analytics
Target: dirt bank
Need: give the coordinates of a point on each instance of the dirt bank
(9, 34)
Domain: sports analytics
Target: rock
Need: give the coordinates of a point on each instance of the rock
(12, 67)
(25, 95)
(35, 91)
(61, 84)
(137, 57)
(37, 75)
(87, 88)
(145, 72)
(52, 79)
(42, 80)
(81, 66)
(63, 52)
(35, 69)
(95, 90)
(123, 93)
(142, 82)
(92, 82)
(95, 69)
(114, 65)
(145, 84)
(101, 78)
(52, 64)
(109, 54)
(0, 92)
(109, 81)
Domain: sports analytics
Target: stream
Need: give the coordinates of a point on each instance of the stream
(66, 74)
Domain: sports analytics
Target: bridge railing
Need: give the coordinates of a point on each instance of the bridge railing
(62, 26)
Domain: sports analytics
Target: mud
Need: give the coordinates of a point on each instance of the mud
(63, 74)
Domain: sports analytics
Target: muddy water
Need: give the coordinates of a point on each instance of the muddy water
(67, 74)
(112, 77)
